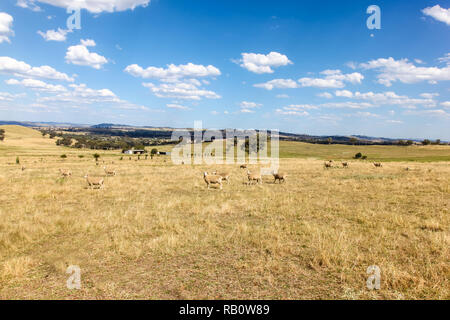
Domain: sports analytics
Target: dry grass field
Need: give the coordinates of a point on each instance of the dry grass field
(156, 232)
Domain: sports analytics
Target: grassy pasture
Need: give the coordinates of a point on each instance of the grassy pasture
(155, 232)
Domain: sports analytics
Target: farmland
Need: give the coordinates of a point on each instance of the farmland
(156, 232)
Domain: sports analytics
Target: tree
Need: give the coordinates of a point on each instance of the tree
(353, 140)
(17, 160)
(438, 142)
(358, 155)
(153, 152)
(2, 134)
(63, 156)
(96, 156)
(426, 142)
(330, 140)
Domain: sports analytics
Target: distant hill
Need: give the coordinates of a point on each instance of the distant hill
(164, 132)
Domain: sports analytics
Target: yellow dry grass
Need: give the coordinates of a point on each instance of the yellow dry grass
(155, 232)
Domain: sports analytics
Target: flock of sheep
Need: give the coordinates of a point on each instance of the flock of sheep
(216, 178)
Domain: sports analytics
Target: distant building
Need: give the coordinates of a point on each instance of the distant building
(134, 151)
(163, 153)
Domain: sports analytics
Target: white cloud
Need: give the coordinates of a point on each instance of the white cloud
(325, 95)
(445, 59)
(6, 96)
(435, 112)
(392, 70)
(260, 63)
(390, 98)
(94, 6)
(282, 96)
(6, 22)
(37, 85)
(277, 83)
(344, 93)
(249, 105)
(244, 110)
(438, 13)
(28, 4)
(81, 95)
(172, 72)
(429, 95)
(445, 104)
(177, 106)
(21, 69)
(332, 79)
(180, 90)
(80, 55)
(52, 35)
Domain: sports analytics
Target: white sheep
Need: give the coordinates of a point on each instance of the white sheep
(212, 179)
(94, 181)
(254, 177)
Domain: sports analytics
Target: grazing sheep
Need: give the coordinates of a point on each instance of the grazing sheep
(94, 181)
(23, 168)
(225, 175)
(254, 177)
(280, 177)
(109, 172)
(243, 166)
(212, 179)
(345, 164)
(65, 172)
(327, 165)
(377, 164)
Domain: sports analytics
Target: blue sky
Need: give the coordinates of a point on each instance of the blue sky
(299, 66)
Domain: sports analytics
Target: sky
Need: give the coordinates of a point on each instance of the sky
(308, 67)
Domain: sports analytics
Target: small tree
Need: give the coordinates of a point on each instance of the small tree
(353, 140)
(329, 140)
(426, 142)
(63, 156)
(80, 156)
(358, 155)
(153, 152)
(96, 156)
(17, 160)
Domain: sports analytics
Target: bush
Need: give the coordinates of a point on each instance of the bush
(364, 157)
(358, 155)
(17, 160)
(63, 156)
(96, 156)
(80, 156)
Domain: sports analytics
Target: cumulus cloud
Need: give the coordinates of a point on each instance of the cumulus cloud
(278, 84)
(391, 70)
(446, 104)
(250, 105)
(54, 35)
(390, 98)
(177, 106)
(21, 69)
(37, 85)
(94, 6)
(332, 79)
(260, 63)
(173, 72)
(81, 95)
(6, 22)
(80, 55)
(325, 95)
(180, 90)
(438, 13)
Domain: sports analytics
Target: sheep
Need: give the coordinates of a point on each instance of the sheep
(94, 181)
(23, 168)
(65, 172)
(280, 177)
(345, 164)
(243, 166)
(377, 164)
(254, 177)
(327, 165)
(225, 176)
(109, 172)
(212, 179)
